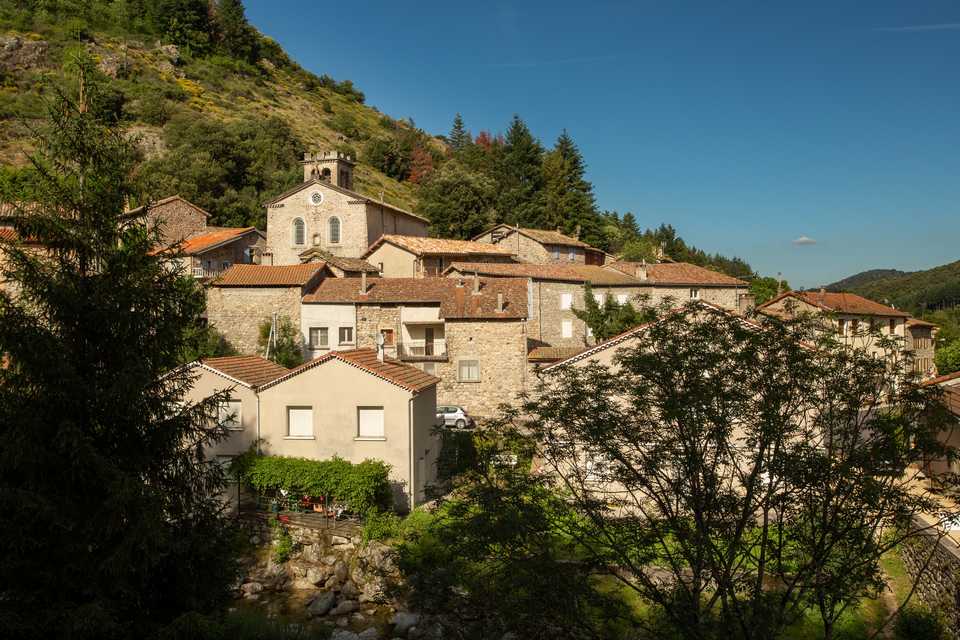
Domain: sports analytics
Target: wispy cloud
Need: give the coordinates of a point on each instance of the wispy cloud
(529, 64)
(943, 26)
(804, 241)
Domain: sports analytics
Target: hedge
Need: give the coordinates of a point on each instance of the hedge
(361, 488)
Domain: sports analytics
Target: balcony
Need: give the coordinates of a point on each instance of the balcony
(202, 273)
(423, 350)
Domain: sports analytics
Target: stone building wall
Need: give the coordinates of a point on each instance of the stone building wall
(939, 586)
(384, 220)
(316, 217)
(726, 297)
(176, 219)
(371, 319)
(237, 312)
(500, 346)
(547, 316)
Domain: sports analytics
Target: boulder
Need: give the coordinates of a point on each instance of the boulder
(369, 634)
(343, 634)
(341, 571)
(403, 621)
(337, 541)
(330, 560)
(312, 553)
(322, 604)
(17, 53)
(315, 575)
(344, 608)
(331, 583)
(250, 588)
(349, 590)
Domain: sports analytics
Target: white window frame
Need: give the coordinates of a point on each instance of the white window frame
(694, 294)
(333, 238)
(299, 228)
(566, 328)
(566, 301)
(600, 298)
(367, 427)
(460, 370)
(350, 336)
(622, 298)
(302, 412)
(231, 407)
(323, 332)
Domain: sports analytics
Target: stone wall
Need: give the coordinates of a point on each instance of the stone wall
(237, 312)
(547, 317)
(939, 586)
(316, 218)
(233, 253)
(176, 219)
(371, 319)
(726, 297)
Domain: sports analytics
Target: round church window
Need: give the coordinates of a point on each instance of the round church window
(316, 198)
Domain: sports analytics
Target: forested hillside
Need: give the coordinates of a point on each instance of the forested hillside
(917, 291)
(223, 115)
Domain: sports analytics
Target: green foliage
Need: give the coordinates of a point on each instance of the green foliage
(282, 542)
(519, 176)
(458, 453)
(114, 514)
(285, 347)
(362, 488)
(204, 341)
(917, 291)
(459, 203)
(948, 358)
(459, 137)
(919, 623)
(346, 124)
(765, 288)
(568, 202)
(609, 319)
(242, 624)
(389, 527)
(236, 36)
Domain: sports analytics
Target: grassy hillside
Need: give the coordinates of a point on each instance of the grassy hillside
(916, 291)
(155, 86)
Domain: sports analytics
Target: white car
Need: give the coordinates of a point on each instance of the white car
(449, 415)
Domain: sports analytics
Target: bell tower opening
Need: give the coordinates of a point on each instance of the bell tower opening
(330, 166)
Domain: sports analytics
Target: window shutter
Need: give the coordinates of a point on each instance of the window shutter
(566, 329)
(300, 421)
(370, 422)
(566, 300)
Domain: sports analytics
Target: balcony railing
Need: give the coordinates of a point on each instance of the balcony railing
(202, 272)
(423, 350)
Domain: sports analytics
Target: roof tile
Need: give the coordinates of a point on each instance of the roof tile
(206, 240)
(403, 375)
(251, 370)
(840, 303)
(678, 273)
(262, 275)
(420, 245)
(595, 275)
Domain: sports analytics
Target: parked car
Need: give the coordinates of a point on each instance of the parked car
(453, 416)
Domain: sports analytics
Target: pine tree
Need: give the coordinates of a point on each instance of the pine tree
(237, 37)
(459, 137)
(567, 196)
(112, 522)
(520, 178)
(459, 202)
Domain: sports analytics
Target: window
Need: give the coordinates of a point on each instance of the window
(622, 298)
(316, 197)
(334, 231)
(299, 232)
(468, 371)
(556, 252)
(299, 422)
(325, 174)
(694, 294)
(566, 300)
(346, 335)
(854, 326)
(225, 265)
(893, 326)
(599, 297)
(387, 337)
(319, 337)
(230, 415)
(370, 422)
(572, 254)
(566, 329)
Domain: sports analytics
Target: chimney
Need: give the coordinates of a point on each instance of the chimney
(576, 233)
(499, 303)
(363, 283)
(476, 283)
(642, 271)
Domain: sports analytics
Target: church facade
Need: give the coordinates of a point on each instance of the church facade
(325, 213)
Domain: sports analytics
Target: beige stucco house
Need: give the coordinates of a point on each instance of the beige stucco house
(540, 246)
(324, 212)
(419, 257)
(349, 404)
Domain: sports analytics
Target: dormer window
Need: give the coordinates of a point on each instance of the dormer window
(299, 232)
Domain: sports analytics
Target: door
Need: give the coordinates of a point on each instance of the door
(428, 341)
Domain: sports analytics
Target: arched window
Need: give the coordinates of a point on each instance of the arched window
(334, 230)
(325, 174)
(299, 231)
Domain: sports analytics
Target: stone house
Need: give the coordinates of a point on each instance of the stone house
(176, 219)
(921, 338)
(855, 320)
(355, 404)
(682, 281)
(419, 257)
(208, 253)
(325, 212)
(539, 246)
(245, 295)
(470, 333)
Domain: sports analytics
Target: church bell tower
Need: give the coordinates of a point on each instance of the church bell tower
(329, 166)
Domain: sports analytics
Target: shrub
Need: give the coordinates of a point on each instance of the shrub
(346, 124)
(282, 543)
(381, 526)
(362, 488)
(919, 623)
(327, 107)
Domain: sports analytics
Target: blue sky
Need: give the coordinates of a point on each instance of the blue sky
(745, 125)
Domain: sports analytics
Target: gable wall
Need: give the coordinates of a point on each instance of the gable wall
(207, 384)
(397, 262)
(280, 216)
(176, 220)
(237, 312)
(383, 220)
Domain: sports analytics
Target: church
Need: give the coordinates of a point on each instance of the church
(324, 213)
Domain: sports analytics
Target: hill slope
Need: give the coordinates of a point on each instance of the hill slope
(917, 291)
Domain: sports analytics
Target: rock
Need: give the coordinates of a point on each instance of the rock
(343, 622)
(349, 590)
(302, 584)
(357, 619)
(252, 596)
(369, 634)
(250, 588)
(331, 583)
(171, 52)
(255, 539)
(315, 575)
(330, 560)
(311, 553)
(403, 621)
(345, 607)
(17, 53)
(341, 571)
(336, 541)
(299, 572)
(322, 604)
(342, 634)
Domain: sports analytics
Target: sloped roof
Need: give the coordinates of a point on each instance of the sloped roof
(593, 274)
(251, 371)
(543, 236)
(165, 201)
(840, 303)
(552, 354)
(206, 240)
(393, 371)
(678, 273)
(917, 322)
(948, 377)
(8, 233)
(262, 275)
(456, 302)
(346, 264)
(439, 246)
(359, 196)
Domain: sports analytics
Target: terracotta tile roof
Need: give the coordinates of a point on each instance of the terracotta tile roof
(595, 275)
(262, 275)
(403, 375)
(678, 273)
(947, 377)
(358, 196)
(252, 371)
(205, 240)
(552, 354)
(440, 246)
(345, 264)
(456, 302)
(840, 303)
(917, 322)
(8, 233)
(543, 236)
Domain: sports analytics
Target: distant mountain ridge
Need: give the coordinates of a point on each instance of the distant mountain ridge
(916, 291)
